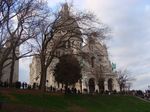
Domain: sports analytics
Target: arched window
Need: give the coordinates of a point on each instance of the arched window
(93, 61)
(80, 45)
(110, 84)
(69, 44)
(101, 84)
(72, 43)
(58, 53)
(91, 47)
(63, 44)
(66, 45)
(91, 85)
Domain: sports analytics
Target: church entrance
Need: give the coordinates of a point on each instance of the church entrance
(101, 85)
(91, 85)
(110, 84)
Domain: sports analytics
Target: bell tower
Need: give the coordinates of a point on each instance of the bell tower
(65, 10)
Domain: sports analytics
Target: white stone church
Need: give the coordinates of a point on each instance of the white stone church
(6, 71)
(97, 73)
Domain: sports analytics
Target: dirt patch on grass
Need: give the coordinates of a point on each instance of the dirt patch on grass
(22, 108)
(9, 107)
(76, 108)
(6, 91)
(15, 107)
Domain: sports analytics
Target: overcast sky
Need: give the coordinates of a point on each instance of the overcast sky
(129, 47)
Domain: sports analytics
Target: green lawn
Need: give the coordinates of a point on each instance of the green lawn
(78, 103)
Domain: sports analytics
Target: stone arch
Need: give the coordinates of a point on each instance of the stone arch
(91, 85)
(101, 85)
(110, 84)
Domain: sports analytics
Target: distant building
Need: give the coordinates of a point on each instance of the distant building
(97, 73)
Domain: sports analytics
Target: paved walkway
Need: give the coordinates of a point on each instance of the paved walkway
(146, 100)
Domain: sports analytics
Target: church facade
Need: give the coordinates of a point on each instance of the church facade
(97, 73)
(97, 69)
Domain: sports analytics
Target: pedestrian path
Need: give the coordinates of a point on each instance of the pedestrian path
(146, 100)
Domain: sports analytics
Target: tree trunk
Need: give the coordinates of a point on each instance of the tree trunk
(66, 88)
(80, 85)
(44, 66)
(11, 73)
(1, 72)
(12, 69)
(43, 78)
(121, 87)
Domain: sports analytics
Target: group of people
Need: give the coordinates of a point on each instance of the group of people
(62, 90)
(17, 85)
(24, 85)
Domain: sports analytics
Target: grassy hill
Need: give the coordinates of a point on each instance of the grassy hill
(33, 102)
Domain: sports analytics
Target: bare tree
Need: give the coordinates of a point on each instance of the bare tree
(18, 22)
(124, 79)
(57, 31)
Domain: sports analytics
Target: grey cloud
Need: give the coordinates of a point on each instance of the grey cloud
(131, 29)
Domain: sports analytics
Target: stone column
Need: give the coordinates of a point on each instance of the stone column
(96, 87)
(113, 84)
(106, 85)
(85, 84)
(116, 85)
